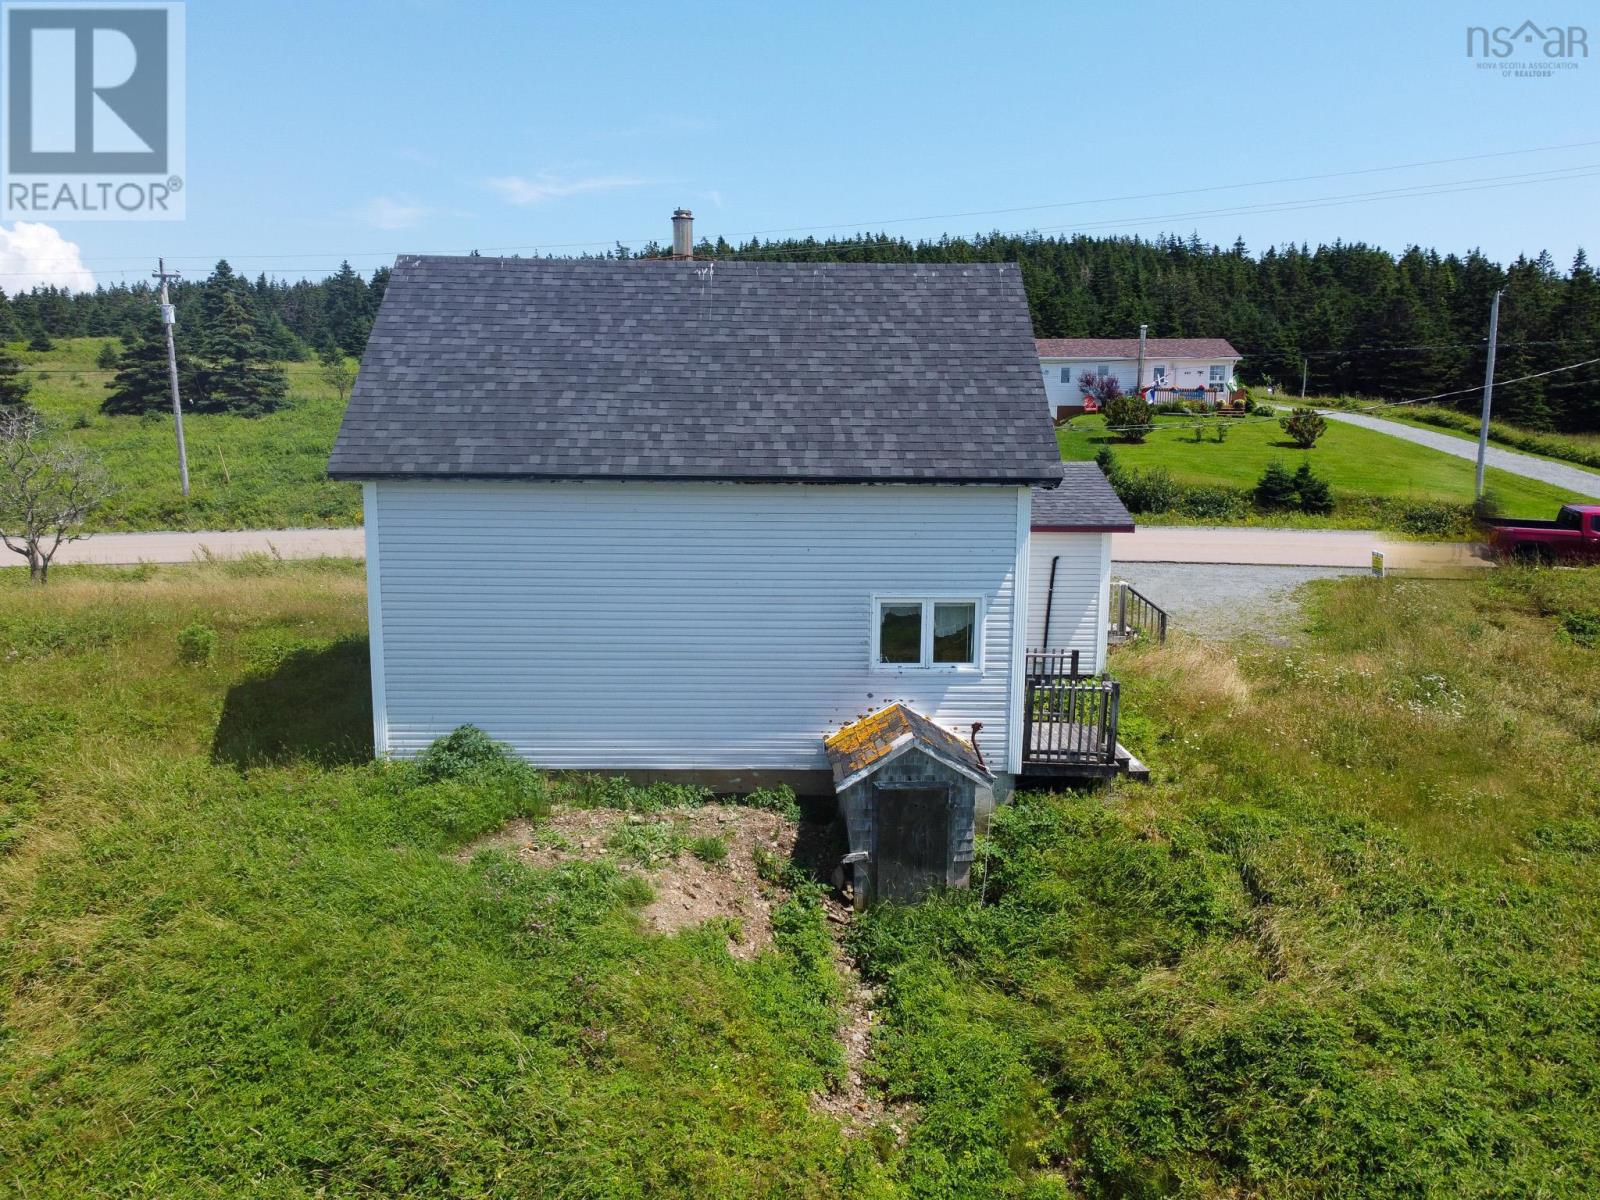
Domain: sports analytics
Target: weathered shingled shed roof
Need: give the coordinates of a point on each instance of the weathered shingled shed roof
(865, 745)
(692, 370)
(1083, 502)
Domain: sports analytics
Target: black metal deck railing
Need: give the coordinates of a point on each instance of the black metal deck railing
(1069, 719)
(1132, 613)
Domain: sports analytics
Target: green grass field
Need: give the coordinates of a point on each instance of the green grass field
(257, 473)
(1344, 945)
(269, 472)
(1355, 462)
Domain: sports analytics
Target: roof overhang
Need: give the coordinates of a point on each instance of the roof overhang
(1128, 528)
(902, 744)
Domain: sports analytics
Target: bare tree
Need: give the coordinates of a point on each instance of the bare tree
(47, 489)
(337, 372)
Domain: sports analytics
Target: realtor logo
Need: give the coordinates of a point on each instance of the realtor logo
(1527, 51)
(93, 111)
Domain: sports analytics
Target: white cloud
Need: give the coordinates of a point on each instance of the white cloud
(385, 212)
(34, 255)
(514, 189)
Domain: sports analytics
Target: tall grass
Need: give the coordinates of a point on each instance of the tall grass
(246, 472)
(241, 959)
(1344, 945)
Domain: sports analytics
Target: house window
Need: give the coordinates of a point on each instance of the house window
(1217, 374)
(1102, 369)
(926, 633)
(1159, 372)
(1066, 374)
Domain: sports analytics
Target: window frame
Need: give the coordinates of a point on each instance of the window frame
(1218, 373)
(925, 663)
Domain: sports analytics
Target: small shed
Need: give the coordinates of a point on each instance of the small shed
(912, 795)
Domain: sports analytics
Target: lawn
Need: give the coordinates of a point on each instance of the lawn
(1356, 462)
(245, 473)
(1345, 944)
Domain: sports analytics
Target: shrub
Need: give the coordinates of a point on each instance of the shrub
(1129, 417)
(1314, 494)
(1106, 461)
(1149, 490)
(1434, 518)
(197, 645)
(1275, 488)
(1212, 503)
(1583, 628)
(463, 752)
(1304, 426)
(709, 850)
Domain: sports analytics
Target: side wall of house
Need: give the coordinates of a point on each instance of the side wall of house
(1078, 613)
(682, 626)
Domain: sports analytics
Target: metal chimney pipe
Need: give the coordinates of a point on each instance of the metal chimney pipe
(682, 233)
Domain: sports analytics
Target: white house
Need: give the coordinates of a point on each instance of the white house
(1170, 364)
(676, 516)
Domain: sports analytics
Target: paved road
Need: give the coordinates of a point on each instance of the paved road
(1573, 479)
(1247, 545)
(1177, 544)
(127, 548)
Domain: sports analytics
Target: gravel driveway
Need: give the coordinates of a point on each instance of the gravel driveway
(1224, 601)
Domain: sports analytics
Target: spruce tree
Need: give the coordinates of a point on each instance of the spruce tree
(14, 385)
(1276, 488)
(235, 375)
(142, 382)
(1312, 492)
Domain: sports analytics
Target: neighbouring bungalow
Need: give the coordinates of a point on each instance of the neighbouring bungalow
(688, 519)
(1196, 367)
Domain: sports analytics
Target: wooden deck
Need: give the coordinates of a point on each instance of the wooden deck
(1069, 721)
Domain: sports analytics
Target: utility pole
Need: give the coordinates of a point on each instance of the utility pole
(1304, 365)
(1488, 392)
(1138, 377)
(167, 322)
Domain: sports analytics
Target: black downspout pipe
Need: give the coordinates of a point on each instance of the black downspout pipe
(1049, 602)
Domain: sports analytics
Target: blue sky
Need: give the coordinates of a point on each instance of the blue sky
(358, 128)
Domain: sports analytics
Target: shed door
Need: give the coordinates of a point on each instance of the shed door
(913, 850)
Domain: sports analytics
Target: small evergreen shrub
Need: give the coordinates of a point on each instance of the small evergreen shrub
(197, 645)
(1275, 488)
(1304, 426)
(1313, 493)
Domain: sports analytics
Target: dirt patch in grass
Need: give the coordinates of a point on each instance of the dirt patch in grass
(702, 863)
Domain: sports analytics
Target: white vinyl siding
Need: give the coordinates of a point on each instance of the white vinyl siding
(680, 626)
(1078, 616)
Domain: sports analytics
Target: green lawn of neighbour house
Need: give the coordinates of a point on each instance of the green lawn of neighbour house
(1357, 463)
(1346, 943)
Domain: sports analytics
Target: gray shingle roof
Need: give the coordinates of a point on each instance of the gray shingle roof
(1154, 348)
(822, 372)
(1083, 501)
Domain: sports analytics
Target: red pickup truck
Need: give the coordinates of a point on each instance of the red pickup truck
(1575, 533)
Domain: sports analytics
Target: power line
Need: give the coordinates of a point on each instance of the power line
(1221, 187)
(1555, 175)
